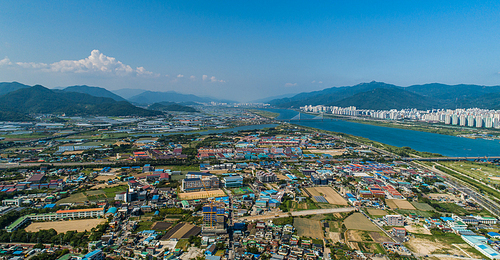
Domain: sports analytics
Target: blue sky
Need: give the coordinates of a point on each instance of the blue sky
(248, 50)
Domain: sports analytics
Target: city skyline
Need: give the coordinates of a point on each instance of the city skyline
(247, 51)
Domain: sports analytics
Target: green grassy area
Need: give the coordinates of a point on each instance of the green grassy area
(143, 225)
(406, 212)
(183, 168)
(489, 173)
(283, 221)
(111, 191)
(264, 113)
(240, 191)
(451, 208)
(73, 198)
(182, 244)
(422, 206)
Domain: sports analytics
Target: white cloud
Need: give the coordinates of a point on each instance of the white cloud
(213, 79)
(32, 65)
(5, 61)
(192, 77)
(180, 76)
(313, 81)
(290, 84)
(95, 63)
(320, 82)
(205, 77)
(143, 71)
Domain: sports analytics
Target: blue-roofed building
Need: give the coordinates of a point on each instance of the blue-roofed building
(233, 181)
(94, 255)
(111, 211)
(49, 206)
(261, 203)
(481, 244)
(494, 234)
(274, 203)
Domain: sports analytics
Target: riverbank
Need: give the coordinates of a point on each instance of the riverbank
(420, 126)
(398, 138)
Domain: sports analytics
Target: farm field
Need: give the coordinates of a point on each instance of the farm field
(330, 195)
(201, 194)
(377, 212)
(422, 206)
(161, 226)
(65, 226)
(308, 228)
(357, 221)
(399, 204)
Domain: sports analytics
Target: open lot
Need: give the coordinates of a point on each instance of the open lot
(182, 230)
(73, 198)
(308, 228)
(332, 152)
(357, 221)
(399, 204)
(65, 226)
(201, 194)
(330, 195)
(417, 230)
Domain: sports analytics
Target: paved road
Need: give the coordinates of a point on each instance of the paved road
(299, 213)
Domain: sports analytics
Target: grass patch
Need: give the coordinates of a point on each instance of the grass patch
(111, 191)
(283, 221)
(144, 225)
(182, 244)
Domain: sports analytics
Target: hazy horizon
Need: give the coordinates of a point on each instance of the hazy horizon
(248, 51)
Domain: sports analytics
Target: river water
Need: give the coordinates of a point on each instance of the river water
(420, 141)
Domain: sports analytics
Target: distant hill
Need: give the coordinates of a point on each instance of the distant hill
(379, 95)
(127, 93)
(171, 106)
(267, 99)
(151, 97)
(94, 91)
(6, 87)
(39, 100)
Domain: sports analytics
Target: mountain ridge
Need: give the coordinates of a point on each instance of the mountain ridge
(426, 96)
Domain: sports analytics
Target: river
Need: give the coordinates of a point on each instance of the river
(421, 141)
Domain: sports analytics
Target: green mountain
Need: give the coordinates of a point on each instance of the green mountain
(328, 95)
(6, 87)
(385, 99)
(379, 95)
(171, 106)
(94, 91)
(41, 100)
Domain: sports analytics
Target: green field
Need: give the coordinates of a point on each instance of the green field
(240, 191)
